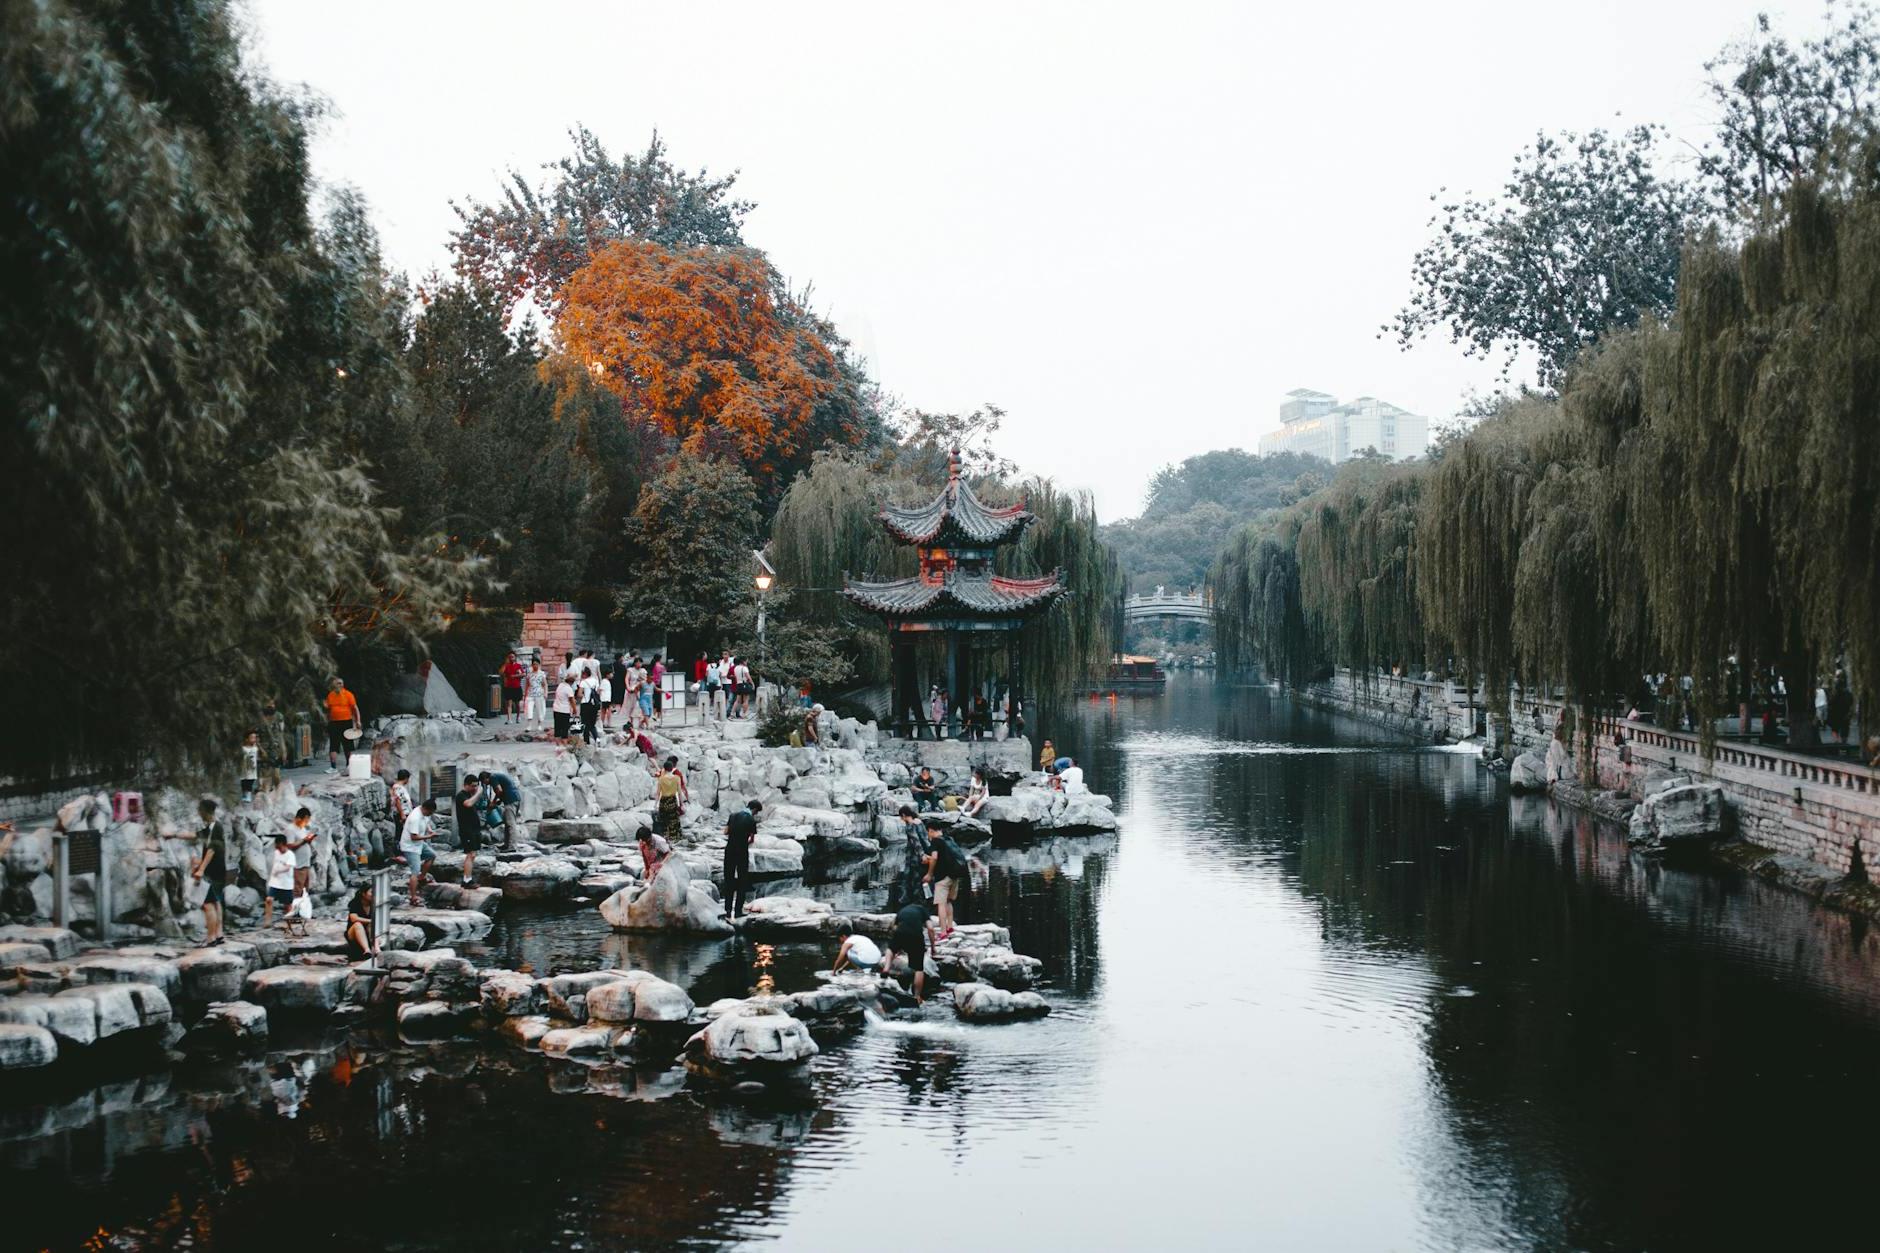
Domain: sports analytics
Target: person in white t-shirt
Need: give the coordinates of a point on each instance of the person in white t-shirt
(280, 882)
(564, 708)
(607, 698)
(1071, 780)
(741, 689)
(415, 844)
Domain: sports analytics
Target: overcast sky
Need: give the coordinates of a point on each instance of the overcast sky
(1134, 227)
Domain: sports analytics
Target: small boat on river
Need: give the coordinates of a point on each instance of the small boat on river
(1130, 674)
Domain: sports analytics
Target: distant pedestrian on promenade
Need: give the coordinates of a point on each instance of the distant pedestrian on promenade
(535, 699)
(513, 674)
(656, 674)
(564, 709)
(342, 715)
(588, 694)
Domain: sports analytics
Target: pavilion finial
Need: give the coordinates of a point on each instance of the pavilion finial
(953, 466)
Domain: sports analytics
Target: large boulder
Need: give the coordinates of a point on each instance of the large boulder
(566, 995)
(670, 902)
(73, 1022)
(444, 926)
(1528, 774)
(979, 1002)
(754, 1042)
(772, 856)
(638, 997)
(228, 1028)
(118, 967)
(790, 918)
(1682, 816)
(211, 974)
(1026, 806)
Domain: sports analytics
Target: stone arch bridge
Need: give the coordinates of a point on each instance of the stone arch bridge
(1193, 606)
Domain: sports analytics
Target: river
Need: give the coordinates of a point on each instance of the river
(1326, 991)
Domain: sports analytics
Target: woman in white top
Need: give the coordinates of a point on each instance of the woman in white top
(535, 704)
(976, 794)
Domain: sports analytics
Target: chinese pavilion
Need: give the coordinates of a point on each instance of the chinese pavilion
(957, 595)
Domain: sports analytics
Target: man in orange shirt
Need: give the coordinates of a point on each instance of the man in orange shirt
(342, 715)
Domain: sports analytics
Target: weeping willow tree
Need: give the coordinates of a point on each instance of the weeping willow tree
(1075, 637)
(1746, 451)
(1258, 614)
(1357, 561)
(828, 526)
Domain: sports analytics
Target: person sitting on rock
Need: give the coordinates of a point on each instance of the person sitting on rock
(360, 942)
(976, 794)
(910, 940)
(857, 951)
(654, 850)
(926, 791)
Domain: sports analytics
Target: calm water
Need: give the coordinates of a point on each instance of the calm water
(1326, 992)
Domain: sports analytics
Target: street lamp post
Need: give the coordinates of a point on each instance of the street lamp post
(765, 576)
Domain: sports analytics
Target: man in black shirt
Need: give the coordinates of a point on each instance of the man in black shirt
(469, 826)
(739, 832)
(910, 940)
(946, 870)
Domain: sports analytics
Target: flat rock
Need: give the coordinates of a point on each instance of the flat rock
(60, 942)
(297, 989)
(790, 918)
(509, 994)
(566, 995)
(445, 926)
(575, 1041)
(570, 830)
(113, 967)
(536, 878)
(752, 1042)
(20, 954)
(72, 1021)
(25, 1047)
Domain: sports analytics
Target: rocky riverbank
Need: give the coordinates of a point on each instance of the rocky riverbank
(156, 993)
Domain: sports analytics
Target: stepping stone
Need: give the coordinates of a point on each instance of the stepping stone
(58, 941)
(24, 1047)
(297, 989)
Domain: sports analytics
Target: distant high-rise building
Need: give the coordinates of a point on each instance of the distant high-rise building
(1313, 422)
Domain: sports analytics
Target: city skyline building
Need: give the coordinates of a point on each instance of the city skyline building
(1315, 422)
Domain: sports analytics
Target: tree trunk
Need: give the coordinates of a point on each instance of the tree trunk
(1798, 676)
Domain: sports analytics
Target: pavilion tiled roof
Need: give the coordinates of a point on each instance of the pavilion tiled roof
(956, 517)
(969, 595)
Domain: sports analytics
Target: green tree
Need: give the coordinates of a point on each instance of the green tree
(1584, 238)
(190, 359)
(1789, 109)
(797, 648)
(692, 534)
(530, 241)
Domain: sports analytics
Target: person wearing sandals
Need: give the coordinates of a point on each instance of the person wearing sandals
(415, 843)
(946, 866)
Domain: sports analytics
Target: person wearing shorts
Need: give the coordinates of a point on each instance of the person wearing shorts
(211, 868)
(469, 826)
(910, 940)
(280, 882)
(300, 840)
(414, 842)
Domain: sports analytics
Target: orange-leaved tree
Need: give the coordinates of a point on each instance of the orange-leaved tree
(708, 344)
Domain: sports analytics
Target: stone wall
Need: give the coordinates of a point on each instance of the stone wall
(557, 628)
(1800, 806)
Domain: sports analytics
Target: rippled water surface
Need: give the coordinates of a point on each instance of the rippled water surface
(1327, 991)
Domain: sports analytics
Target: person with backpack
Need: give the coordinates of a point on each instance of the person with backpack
(589, 692)
(946, 869)
(914, 853)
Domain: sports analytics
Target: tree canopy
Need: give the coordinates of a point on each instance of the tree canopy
(532, 240)
(191, 356)
(692, 534)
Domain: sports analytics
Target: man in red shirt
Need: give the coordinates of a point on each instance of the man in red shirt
(512, 689)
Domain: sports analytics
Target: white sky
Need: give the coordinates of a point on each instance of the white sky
(1132, 226)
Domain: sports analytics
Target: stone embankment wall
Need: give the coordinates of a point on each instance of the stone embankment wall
(1800, 806)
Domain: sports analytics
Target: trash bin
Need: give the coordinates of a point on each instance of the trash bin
(493, 707)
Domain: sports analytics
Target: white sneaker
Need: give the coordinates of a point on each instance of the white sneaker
(332, 769)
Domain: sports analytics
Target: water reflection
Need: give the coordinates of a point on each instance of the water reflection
(1325, 991)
